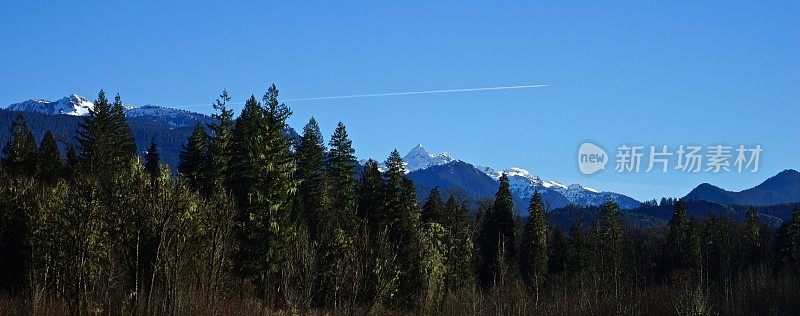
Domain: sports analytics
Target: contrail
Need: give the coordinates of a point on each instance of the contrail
(388, 94)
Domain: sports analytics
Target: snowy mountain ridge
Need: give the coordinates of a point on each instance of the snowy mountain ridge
(77, 105)
(522, 182)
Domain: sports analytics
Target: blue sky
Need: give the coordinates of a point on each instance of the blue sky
(619, 73)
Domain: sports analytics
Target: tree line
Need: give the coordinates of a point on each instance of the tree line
(256, 223)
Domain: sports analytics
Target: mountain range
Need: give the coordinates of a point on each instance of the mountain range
(169, 128)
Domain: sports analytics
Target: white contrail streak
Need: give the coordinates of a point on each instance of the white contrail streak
(388, 94)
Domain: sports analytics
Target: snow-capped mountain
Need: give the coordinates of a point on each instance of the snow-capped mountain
(523, 183)
(79, 106)
(71, 105)
(419, 158)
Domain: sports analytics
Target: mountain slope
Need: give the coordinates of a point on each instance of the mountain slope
(782, 188)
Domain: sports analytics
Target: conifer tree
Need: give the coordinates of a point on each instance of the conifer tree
(152, 161)
(105, 141)
(496, 236)
(534, 257)
(752, 239)
(312, 202)
(370, 198)
(260, 177)
(192, 165)
(432, 210)
(677, 238)
(403, 221)
(608, 247)
(460, 255)
(219, 147)
(342, 172)
(20, 154)
(577, 249)
(51, 168)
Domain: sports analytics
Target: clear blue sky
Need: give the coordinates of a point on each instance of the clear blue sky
(619, 73)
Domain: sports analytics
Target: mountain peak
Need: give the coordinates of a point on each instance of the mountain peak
(419, 158)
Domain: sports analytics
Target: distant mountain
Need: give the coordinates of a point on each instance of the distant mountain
(76, 105)
(429, 170)
(782, 188)
(168, 127)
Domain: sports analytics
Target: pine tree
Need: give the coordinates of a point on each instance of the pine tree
(51, 168)
(577, 249)
(152, 161)
(460, 260)
(312, 197)
(20, 154)
(557, 253)
(534, 257)
(342, 172)
(753, 249)
(192, 165)
(432, 210)
(404, 231)
(677, 255)
(608, 238)
(496, 237)
(219, 147)
(105, 142)
(370, 198)
(260, 177)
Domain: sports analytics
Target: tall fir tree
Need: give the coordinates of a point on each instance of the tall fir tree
(260, 177)
(311, 206)
(105, 142)
(370, 198)
(752, 238)
(403, 221)
(577, 249)
(20, 155)
(534, 257)
(219, 146)
(193, 157)
(677, 238)
(496, 237)
(433, 209)
(608, 244)
(342, 174)
(51, 168)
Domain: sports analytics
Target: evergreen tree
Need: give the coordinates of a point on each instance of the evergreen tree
(219, 147)
(752, 239)
(677, 242)
(342, 172)
(20, 154)
(459, 260)
(51, 168)
(105, 142)
(497, 238)
(433, 210)
(370, 198)
(312, 196)
(534, 244)
(152, 161)
(608, 246)
(577, 249)
(260, 177)
(403, 222)
(192, 165)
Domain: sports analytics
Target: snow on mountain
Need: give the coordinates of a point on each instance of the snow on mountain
(71, 105)
(419, 158)
(79, 106)
(522, 184)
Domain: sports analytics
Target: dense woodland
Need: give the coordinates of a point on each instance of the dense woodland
(256, 223)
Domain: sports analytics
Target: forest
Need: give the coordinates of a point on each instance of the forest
(254, 222)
